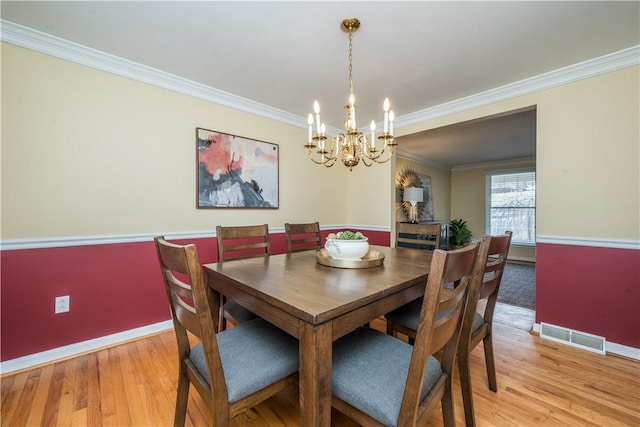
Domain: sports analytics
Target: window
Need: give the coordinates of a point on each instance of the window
(511, 205)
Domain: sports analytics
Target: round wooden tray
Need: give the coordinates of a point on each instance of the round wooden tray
(372, 258)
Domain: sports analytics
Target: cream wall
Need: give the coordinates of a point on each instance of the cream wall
(87, 153)
(370, 191)
(468, 202)
(588, 155)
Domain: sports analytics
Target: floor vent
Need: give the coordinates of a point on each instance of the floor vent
(573, 338)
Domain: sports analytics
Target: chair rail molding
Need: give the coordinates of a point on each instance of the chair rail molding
(66, 241)
(589, 241)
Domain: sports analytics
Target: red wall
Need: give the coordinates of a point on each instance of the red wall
(590, 289)
(117, 287)
(112, 288)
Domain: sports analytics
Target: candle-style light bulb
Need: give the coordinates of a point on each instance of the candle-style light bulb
(316, 109)
(373, 134)
(385, 106)
(352, 111)
(392, 116)
(310, 121)
(323, 129)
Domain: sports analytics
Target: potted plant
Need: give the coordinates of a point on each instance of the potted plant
(459, 234)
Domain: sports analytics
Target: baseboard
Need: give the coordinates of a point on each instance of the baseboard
(76, 349)
(612, 348)
(521, 260)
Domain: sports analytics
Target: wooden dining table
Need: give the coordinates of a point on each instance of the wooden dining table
(319, 304)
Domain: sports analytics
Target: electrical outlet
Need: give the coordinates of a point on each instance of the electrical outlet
(62, 304)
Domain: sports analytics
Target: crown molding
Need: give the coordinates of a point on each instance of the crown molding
(60, 48)
(604, 64)
(495, 163)
(422, 160)
(64, 49)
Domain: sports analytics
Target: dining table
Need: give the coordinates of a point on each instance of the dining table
(318, 304)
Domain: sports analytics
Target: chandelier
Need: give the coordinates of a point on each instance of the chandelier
(350, 146)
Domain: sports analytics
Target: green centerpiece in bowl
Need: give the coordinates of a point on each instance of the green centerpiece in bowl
(347, 245)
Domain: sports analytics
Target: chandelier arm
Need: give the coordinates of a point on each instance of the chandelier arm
(331, 160)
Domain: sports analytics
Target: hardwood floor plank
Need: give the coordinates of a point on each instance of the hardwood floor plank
(50, 415)
(94, 398)
(6, 384)
(67, 396)
(137, 409)
(106, 390)
(123, 415)
(11, 389)
(79, 418)
(25, 399)
(80, 387)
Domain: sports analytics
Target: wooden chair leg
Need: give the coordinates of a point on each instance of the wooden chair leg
(487, 342)
(222, 320)
(391, 328)
(467, 394)
(182, 397)
(448, 414)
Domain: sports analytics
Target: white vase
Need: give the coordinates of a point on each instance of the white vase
(347, 249)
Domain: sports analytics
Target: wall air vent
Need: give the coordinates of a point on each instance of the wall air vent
(573, 338)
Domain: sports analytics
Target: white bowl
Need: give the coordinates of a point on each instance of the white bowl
(347, 249)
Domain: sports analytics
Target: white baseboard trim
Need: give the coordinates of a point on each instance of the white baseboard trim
(612, 348)
(72, 350)
(521, 258)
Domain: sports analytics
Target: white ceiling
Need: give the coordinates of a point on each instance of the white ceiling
(419, 54)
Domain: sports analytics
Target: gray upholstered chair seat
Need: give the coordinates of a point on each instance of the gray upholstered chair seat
(370, 372)
(254, 354)
(409, 315)
(238, 312)
(478, 321)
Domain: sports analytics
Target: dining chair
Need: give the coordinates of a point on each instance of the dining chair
(492, 258)
(232, 370)
(302, 237)
(418, 236)
(379, 380)
(240, 242)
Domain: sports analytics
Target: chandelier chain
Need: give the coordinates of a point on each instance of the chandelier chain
(350, 62)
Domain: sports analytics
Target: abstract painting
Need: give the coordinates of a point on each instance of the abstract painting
(235, 172)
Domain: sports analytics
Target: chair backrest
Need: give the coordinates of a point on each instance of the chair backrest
(490, 263)
(193, 304)
(440, 323)
(419, 236)
(302, 237)
(247, 241)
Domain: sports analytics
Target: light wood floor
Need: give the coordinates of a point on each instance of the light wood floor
(540, 383)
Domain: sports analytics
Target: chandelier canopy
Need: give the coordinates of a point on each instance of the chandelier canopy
(350, 146)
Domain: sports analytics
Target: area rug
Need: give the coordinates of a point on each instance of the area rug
(518, 286)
